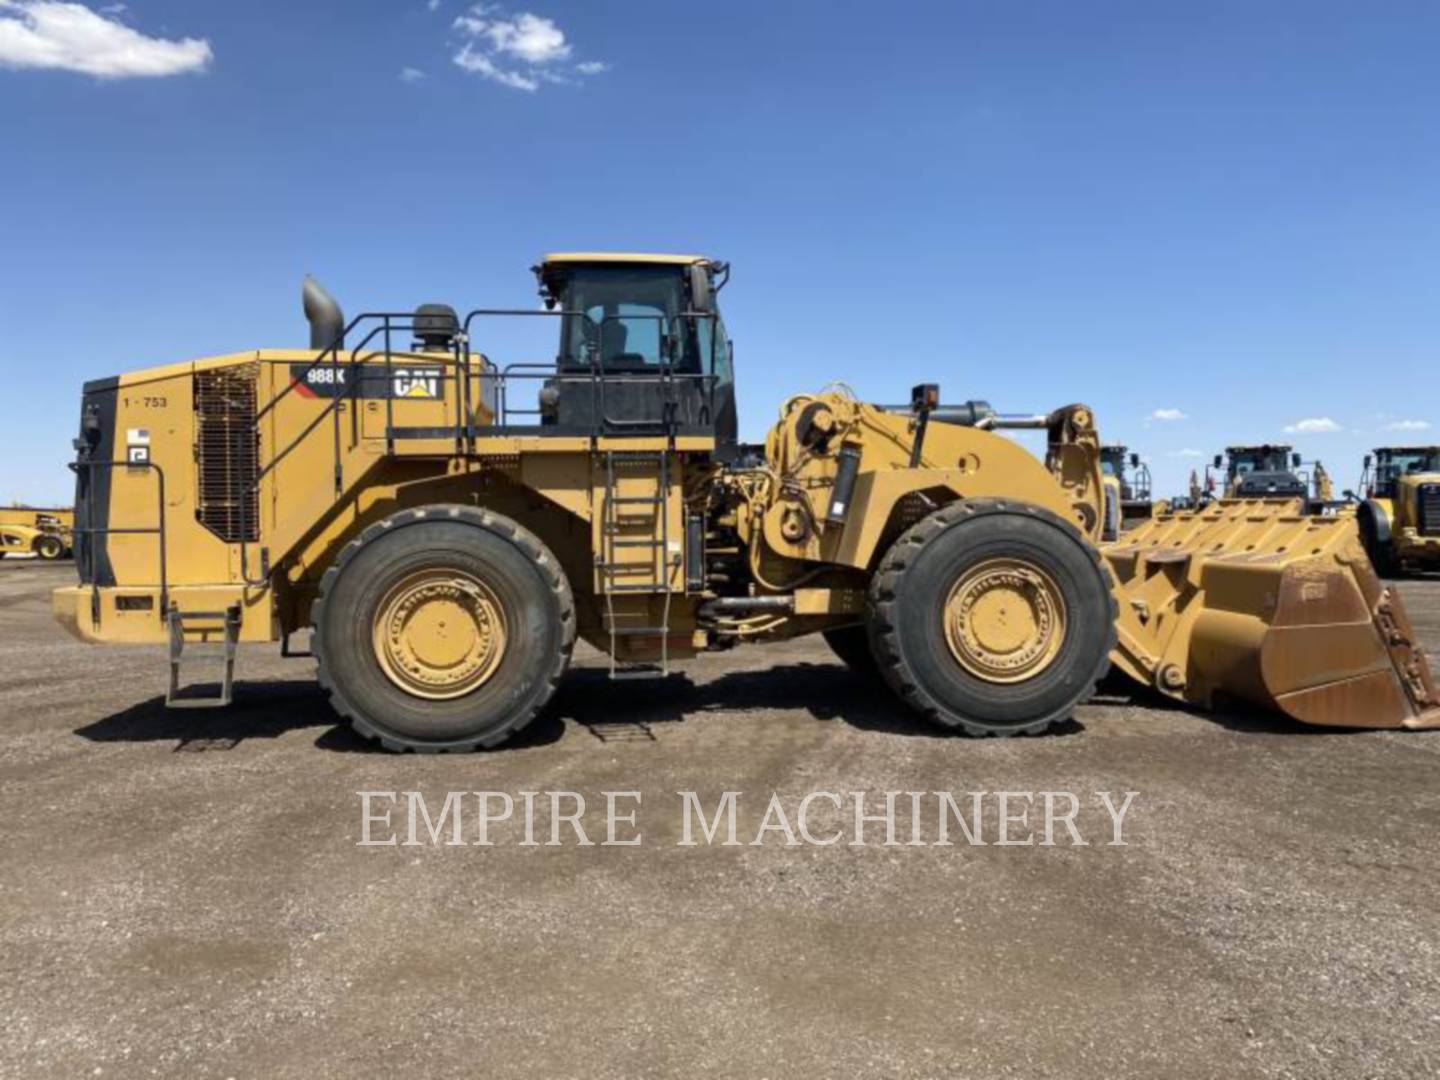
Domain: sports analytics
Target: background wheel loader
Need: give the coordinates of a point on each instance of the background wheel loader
(1127, 489)
(1272, 472)
(1400, 514)
(446, 525)
(45, 533)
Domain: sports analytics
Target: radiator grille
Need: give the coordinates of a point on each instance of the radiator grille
(227, 452)
(1429, 499)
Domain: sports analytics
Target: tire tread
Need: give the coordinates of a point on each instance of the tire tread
(530, 544)
(881, 619)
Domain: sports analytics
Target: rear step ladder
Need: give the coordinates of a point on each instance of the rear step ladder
(652, 577)
(178, 623)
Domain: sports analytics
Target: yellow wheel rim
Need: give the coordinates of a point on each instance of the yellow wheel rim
(439, 634)
(1004, 620)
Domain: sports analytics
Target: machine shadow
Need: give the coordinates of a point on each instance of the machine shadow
(624, 711)
(262, 709)
(608, 711)
(627, 711)
(1117, 689)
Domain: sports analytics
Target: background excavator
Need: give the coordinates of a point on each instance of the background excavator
(445, 524)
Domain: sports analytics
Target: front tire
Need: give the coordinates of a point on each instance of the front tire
(443, 628)
(1382, 556)
(49, 548)
(992, 617)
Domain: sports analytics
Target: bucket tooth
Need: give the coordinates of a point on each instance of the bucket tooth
(1252, 600)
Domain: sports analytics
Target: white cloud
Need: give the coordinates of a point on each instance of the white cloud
(1168, 415)
(410, 74)
(531, 38)
(53, 35)
(433, 5)
(518, 51)
(1316, 425)
(1408, 425)
(478, 63)
(1186, 452)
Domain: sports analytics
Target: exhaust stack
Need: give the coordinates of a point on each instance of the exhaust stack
(327, 321)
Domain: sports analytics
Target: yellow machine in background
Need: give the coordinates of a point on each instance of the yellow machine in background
(46, 533)
(1400, 514)
(446, 525)
(1127, 489)
(1258, 472)
(1271, 471)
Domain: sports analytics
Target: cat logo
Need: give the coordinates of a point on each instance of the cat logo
(416, 383)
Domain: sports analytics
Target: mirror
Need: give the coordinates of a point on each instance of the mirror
(1134, 461)
(1219, 460)
(1367, 461)
(702, 295)
(1295, 461)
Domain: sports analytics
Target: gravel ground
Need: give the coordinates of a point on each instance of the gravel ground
(183, 893)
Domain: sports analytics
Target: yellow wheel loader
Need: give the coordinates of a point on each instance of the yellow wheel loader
(30, 540)
(1127, 489)
(1258, 472)
(1400, 514)
(446, 524)
(1272, 472)
(46, 533)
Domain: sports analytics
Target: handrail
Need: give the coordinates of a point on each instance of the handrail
(90, 530)
(387, 324)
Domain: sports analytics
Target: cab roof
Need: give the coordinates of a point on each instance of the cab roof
(1407, 450)
(620, 257)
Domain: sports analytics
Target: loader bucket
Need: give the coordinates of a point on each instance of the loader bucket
(1253, 599)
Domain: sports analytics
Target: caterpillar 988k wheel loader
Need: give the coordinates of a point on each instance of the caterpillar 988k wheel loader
(446, 526)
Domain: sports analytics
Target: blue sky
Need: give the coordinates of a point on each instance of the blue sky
(1221, 210)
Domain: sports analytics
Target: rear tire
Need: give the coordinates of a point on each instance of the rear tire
(443, 628)
(49, 548)
(992, 617)
(852, 645)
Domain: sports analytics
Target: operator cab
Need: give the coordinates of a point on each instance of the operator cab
(1263, 472)
(1393, 462)
(642, 350)
(1125, 467)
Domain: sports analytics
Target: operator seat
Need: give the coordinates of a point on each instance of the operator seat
(614, 336)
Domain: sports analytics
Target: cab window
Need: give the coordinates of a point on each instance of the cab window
(708, 331)
(628, 313)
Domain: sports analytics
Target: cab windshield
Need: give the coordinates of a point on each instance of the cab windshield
(637, 321)
(1259, 461)
(1395, 465)
(629, 312)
